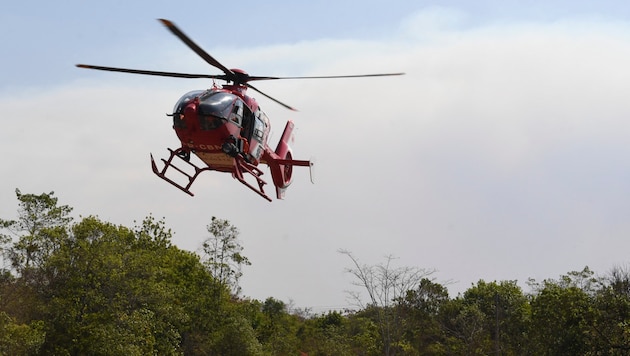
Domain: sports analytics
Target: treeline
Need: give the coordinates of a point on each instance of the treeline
(95, 288)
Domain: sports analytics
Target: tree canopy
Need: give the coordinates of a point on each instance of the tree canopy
(94, 288)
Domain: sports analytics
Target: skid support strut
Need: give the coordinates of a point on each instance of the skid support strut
(179, 153)
(240, 167)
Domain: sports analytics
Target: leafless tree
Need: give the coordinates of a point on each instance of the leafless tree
(385, 285)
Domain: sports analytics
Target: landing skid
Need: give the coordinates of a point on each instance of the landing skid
(240, 167)
(179, 153)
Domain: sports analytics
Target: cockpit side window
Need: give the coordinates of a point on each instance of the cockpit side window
(259, 127)
(237, 113)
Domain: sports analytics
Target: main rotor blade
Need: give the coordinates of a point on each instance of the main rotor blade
(328, 76)
(192, 45)
(269, 97)
(151, 72)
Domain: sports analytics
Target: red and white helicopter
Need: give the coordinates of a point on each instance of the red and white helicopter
(226, 128)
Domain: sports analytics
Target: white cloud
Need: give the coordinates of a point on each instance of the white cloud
(432, 22)
(500, 155)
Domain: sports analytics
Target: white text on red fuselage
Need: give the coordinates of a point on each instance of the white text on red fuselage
(204, 147)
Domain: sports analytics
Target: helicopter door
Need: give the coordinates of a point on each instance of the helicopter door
(257, 141)
(248, 123)
(259, 130)
(237, 113)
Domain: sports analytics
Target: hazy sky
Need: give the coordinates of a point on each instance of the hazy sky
(502, 154)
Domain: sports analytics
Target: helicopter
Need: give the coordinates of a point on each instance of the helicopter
(225, 128)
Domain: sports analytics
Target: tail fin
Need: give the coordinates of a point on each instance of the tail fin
(283, 151)
(287, 138)
(282, 163)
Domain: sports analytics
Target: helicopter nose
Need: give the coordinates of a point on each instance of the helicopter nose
(190, 115)
(190, 110)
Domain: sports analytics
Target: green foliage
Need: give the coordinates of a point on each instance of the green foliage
(385, 285)
(236, 337)
(20, 339)
(326, 335)
(39, 229)
(421, 308)
(94, 288)
(223, 254)
(36, 212)
(560, 319)
(100, 289)
(278, 329)
(464, 326)
(506, 314)
(364, 335)
(611, 327)
(111, 283)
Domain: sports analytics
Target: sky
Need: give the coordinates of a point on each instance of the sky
(502, 154)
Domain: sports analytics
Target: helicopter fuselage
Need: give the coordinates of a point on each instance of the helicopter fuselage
(228, 131)
(217, 125)
(225, 128)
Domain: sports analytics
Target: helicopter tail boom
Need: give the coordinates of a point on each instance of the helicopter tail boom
(281, 161)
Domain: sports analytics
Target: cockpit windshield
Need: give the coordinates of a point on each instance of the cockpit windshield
(217, 104)
(181, 103)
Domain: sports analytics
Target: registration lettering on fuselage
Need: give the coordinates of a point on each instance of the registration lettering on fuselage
(204, 147)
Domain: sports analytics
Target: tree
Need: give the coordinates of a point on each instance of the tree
(223, 254)
(611, 327)
(364, 334)
(94, 288)
(464, 327)
(277, 330)
(327, 334)
(40, 230)
(420, 310)
(506, 314)
(385, 285)
(115, 292)
(20, 339)
(562, 314)
(27, 244)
